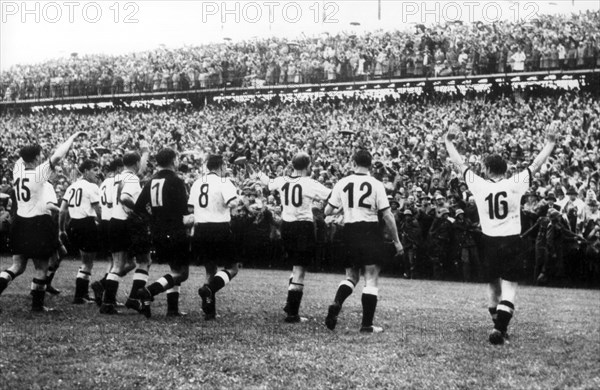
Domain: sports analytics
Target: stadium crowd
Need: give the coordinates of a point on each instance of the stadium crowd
(545, 43)
(436, 215)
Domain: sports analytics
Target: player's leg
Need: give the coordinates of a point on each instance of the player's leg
(170, 283)
(369, 299)
(53, 265)
(294, 296)
(98, 285)
(82, 281)
(206, 293)
(19, 263)
(113, 279)
(494, 294)
(38, 285)
(345, 289)
(140, 278)
(506, 306)
(220, 252)
(180, 275)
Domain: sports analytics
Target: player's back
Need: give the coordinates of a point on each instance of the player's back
(126, 182)
(297, 195)
(106, 189)
(167, 196)
(499, 203)
(29, 188)
(210, 196)
(80, 196)
(361, 196)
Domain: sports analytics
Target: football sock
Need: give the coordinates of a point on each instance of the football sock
(345, 289)
(173, 299)
(369, 304)
(38, 292)
(294, 298)
(219, 281)
(5, 278)
(110, 288)
(51, 273)
(81, 284)
(494, 314)
(505, 313)
(161, 285)
(140, 278)
(103, 280)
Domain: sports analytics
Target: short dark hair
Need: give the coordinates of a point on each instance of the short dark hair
(214, 161)
(495, 164)
(131, 158)
(30, 152)
(166, 157)
(363, 158)
(87, 165)
(301, 161)
(115, 164)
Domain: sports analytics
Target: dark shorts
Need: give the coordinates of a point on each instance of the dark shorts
(213, 243)
(83, 234)
(34, 238)
(172, 249)
(104, 233)
(119, 236)
(299, 242)
(139, 233)
(503, 258)
(363, 245)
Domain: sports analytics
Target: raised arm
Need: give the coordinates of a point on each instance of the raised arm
(551, 134)
(145, 149)
(455, 157)
(63, 149)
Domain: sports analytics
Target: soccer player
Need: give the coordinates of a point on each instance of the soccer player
(211, 199)
(166, 196)
(106, 188)
(126, 236)
(498, 202)
(33, 235)
(361, 198)
(82, 203)
(297, 193)
(53, 210)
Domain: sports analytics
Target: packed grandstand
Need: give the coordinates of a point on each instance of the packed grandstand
(404, 133)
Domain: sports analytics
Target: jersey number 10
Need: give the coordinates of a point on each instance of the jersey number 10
(498, 209)
(296, 194)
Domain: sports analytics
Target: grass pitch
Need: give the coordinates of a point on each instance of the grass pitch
(435, 338)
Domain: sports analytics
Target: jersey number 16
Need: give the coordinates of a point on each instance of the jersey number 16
(498, 209)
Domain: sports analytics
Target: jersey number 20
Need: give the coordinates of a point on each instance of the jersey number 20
(498, 209)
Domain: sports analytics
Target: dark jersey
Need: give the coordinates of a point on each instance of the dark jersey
(166, 196)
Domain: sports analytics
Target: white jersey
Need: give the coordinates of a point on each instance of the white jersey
(361, 197)
(106, 190)
(210, 196)
(49, 196)
(80, 197)
(297, 195)
(499, 203)
(127, 183)
(29, 188)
